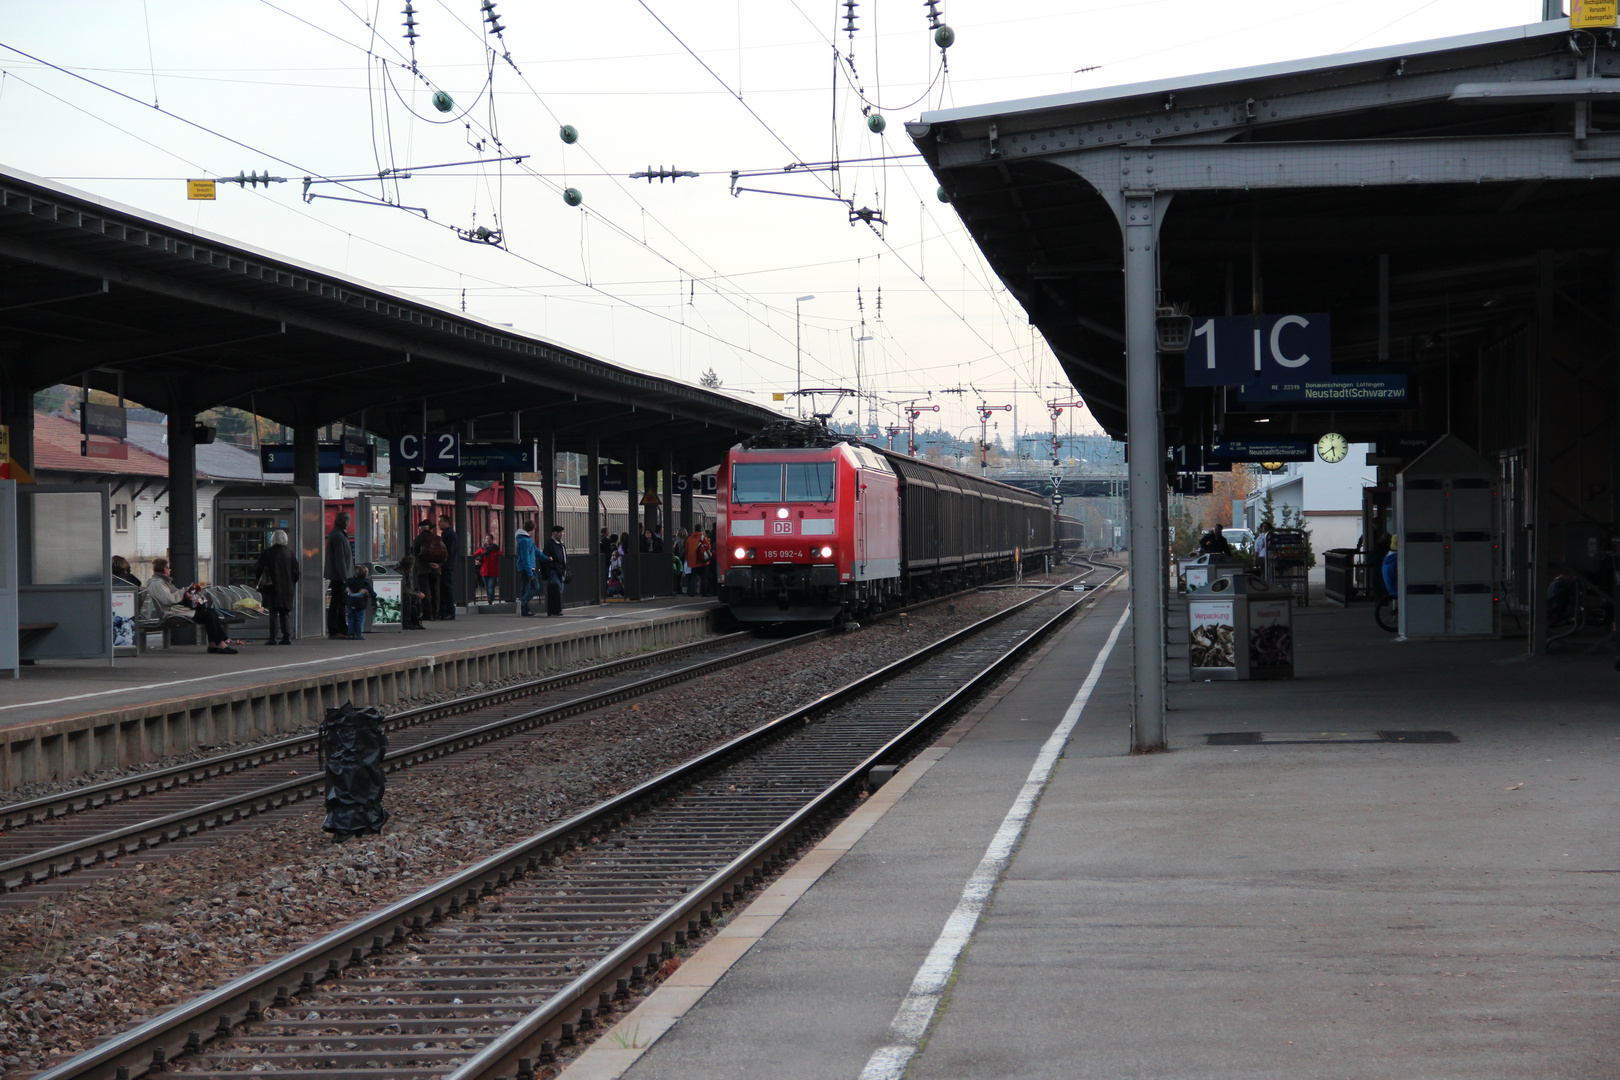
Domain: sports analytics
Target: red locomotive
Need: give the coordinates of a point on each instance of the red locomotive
(814, 528)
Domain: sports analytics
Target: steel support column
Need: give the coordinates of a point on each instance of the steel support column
(182, 496)
(509, 580)
(1146, 471)
(1546, 298)
(593, 514)
(546, 450)
(632, 542)
(306, 446)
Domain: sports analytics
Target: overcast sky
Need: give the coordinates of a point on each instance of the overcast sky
(674, 278)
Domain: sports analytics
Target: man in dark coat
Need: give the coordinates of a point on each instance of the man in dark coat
(430, 556)
(339, 569)
(556, 569)
(447, 574)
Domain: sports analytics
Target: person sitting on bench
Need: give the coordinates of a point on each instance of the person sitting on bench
(190, 601)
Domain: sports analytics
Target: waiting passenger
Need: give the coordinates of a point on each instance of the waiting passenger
(122, 573)
(489, 565)
(361, 599)
(191, 601)
(278, 583)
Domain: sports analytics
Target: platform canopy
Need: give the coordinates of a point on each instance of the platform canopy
(1278, 188)
(193, 321)
(1451, 207)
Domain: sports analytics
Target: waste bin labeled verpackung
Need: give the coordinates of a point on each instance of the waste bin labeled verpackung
(1240, 628)
(1197, 573)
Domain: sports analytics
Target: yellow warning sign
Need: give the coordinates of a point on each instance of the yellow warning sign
(778, 397)
(200, 189)
(1593, 14)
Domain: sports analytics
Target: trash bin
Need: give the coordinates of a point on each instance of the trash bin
(352, 747)
(1240, 628)
(1340, 575)
(1198, 573)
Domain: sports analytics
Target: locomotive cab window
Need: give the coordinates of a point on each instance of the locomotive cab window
(811, 481)
(756, 483)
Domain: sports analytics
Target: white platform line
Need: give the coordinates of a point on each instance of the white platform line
(922, 1000)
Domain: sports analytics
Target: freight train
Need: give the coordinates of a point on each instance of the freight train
(813, 527)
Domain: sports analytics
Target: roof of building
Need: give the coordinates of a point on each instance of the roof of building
(56, 449)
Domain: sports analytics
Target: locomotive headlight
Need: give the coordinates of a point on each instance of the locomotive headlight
(781, 511)
(826, 553)
(740, 553)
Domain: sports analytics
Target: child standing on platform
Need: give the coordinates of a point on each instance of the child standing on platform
(361, 597)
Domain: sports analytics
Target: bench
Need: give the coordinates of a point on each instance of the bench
(151, 619)
(27, 632)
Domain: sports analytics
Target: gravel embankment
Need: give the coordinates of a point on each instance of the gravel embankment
(95, 961)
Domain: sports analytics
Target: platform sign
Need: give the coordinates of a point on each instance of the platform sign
(1257, 450)
(699, 484)
(438, 451)
(110, 421)
(1337, 394)
(1193, 484)
(106, 451)
(1406, 444)
(1594, 14)
(201, 189)
(1231, 350)
(278, 458)
(610, 477)
(493, 459)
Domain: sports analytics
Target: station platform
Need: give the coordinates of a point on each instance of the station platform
(1328, 907)
(68, 718)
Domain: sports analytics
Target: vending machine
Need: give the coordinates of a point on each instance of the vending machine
(245, 518)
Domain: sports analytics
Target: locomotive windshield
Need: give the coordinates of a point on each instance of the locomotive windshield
(811, 481)
(756, 483)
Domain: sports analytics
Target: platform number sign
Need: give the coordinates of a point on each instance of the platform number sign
(1230, 350)
(434, 451)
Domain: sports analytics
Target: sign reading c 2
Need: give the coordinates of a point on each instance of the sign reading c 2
(1229, 350)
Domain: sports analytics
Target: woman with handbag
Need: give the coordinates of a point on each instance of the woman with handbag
(190, 601)
(278, 584)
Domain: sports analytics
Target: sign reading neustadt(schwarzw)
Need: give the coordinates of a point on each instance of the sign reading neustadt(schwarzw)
(1339, 393)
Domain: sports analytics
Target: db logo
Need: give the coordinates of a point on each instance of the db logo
(781, 526)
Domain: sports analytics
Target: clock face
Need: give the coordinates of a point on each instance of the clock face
(1332, 447)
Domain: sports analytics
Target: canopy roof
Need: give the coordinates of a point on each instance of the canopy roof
(193, 320)
(1280, 187)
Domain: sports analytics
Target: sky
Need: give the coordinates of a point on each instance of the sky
(128, 99)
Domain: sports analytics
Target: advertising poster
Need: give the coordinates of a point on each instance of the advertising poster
(1271, 634)
(1212, 636)
(123, 619)
(386, 615)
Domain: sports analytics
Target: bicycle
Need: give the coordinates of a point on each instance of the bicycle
(1387, 612)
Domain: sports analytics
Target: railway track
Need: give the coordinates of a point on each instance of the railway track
(495, 969)
(45, 840)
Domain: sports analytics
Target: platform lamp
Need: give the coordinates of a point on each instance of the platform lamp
(798, 354)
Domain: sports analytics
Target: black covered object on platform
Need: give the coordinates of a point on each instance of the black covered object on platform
(353, 745)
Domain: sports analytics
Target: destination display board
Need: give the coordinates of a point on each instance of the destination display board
(1339, 393)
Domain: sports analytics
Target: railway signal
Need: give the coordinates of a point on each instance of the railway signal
(984, 435)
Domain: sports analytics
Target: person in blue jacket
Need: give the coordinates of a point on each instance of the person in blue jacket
(528, 587)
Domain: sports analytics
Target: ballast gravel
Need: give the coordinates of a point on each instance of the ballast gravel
(90, 963)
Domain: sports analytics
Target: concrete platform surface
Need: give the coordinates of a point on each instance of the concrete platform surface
(1313, 909)
(58, 688)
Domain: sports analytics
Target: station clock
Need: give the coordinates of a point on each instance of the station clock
(1332, 447)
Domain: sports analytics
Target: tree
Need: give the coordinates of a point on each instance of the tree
(709, 379)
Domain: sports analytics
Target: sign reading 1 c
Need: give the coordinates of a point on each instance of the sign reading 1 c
(1332, 447)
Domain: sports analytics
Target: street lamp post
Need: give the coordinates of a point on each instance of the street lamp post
(798, 357)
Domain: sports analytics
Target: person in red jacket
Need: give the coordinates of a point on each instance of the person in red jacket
(489, 565)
